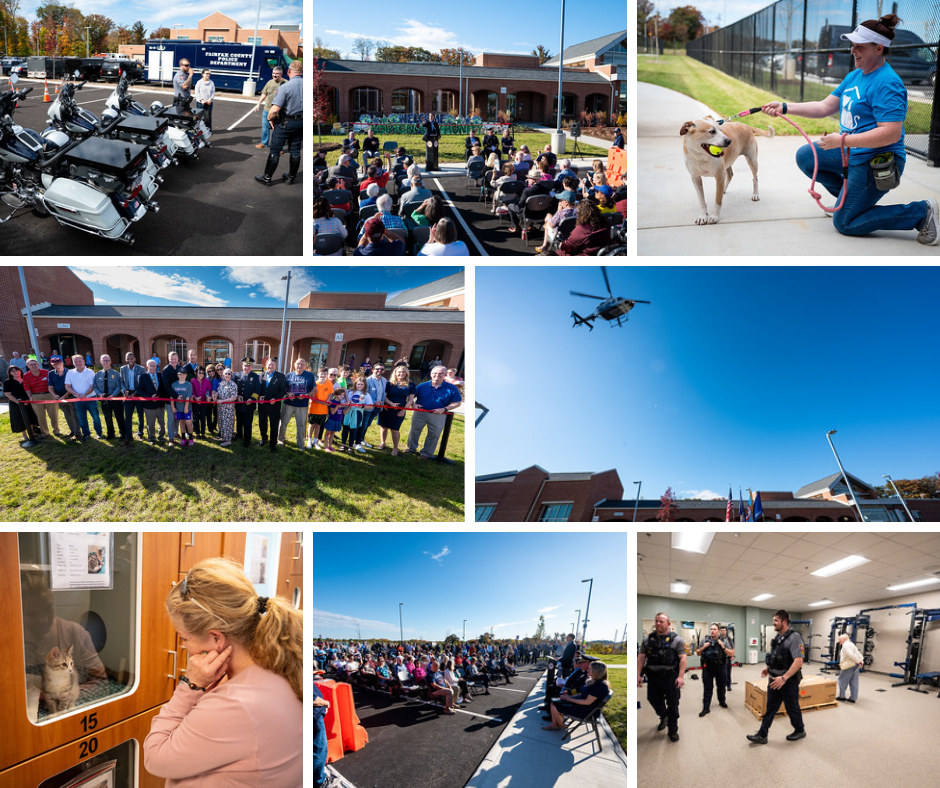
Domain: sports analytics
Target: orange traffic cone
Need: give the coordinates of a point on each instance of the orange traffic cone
(45, 97)
(57, 88)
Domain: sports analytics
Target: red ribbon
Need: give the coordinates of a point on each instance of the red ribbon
(346, 404)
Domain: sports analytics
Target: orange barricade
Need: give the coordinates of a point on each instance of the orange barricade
(334, 736)
(354, 735)
(616, 167)
(343, 731)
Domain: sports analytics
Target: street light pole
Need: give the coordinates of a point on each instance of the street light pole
(284, 322)
(903, 502)
(845, 476)
(577, 625)
(586, 611)
(401, 626)
(87, 38)
(636, 503)
(29, 314)
(465, 630)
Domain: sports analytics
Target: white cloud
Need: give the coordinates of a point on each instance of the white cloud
(707, 495)
(549, 609)
(339, 624)
(242, 287)
(101, 301)
(509, 624)
(267, 278)
(255, 295)
(437, 557)
(148, 282)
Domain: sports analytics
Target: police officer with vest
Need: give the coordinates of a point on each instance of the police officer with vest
(784, 661)
(713, 651)
(662, 658)
(287, 125)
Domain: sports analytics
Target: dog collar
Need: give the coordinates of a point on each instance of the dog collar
(864, 35)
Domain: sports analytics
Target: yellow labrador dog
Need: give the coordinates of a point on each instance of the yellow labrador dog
(710, 150)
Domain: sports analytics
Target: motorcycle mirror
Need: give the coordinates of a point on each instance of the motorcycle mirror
(77, 74)
(14, 78)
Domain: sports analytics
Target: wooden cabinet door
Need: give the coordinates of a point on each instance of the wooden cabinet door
(33, 772)
(196, 546)
(290, 564)
(22, 739)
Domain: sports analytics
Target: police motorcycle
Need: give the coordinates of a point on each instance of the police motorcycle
(122, 102)
(187, 128)
(92, 184)
(78, 123)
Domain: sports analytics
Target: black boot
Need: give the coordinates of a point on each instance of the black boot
(269, 168)
(294, 166)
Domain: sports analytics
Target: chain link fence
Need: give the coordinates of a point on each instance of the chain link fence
(792, 49)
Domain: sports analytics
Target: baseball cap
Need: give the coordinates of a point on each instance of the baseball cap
(53, 357)
(605, 190)
(373, 227)
(567, 195)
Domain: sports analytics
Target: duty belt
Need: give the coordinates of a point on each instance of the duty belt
(294, 117)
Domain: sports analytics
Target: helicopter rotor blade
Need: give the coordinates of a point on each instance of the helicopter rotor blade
(637, 301)
(585, 295)
(606, 280)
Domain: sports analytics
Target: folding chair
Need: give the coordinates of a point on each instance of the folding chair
(475, 172)
(591, 719)
(367, 212)
(340, 214)
(420, 236)
(486, 185)
(328, 244)
(403, 234)
(338, 196)
(564, 229)
(509, 193)
(534, 212)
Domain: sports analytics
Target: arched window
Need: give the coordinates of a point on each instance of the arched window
(443, 101)
(366, 101)
(596, 102)
(259, 350)
(491, 104)
(511, 105)
(406, 101)
(215, 351)
(567, 104)
(177, 346)
(318, 353)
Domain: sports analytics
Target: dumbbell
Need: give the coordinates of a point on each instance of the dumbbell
(869, 647)
(870, 633)
(868, 659)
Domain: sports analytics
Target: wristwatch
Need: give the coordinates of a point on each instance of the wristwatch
(188, 683)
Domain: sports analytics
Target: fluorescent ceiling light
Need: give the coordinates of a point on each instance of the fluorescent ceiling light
(915, 584)
(841, 566)
(761, 597)
(679, 587)
(820, 603)
(692, 541)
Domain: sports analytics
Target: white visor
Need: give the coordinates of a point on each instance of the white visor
(864, 35)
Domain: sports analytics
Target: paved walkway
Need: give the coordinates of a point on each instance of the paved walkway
(525, 756)
(786, 220)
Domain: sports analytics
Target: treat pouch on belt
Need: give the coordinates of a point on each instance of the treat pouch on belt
(884, 169)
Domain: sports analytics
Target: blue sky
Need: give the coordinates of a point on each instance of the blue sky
(126, 12)
(732, 375)
(259, 285)
(435, 26)
(502, 581)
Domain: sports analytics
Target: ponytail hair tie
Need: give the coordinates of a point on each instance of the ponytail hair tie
(262, 605)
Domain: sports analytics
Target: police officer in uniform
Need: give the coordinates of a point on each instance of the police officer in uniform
(783, 665)
(249, 390)
(662, 658)
(729, 660)
(713, 651)
(287, 125)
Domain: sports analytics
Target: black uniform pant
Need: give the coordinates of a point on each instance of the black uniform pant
(789, 696)
(728, 674)
(269, 414)
(113, 411)
(212, 416)
(663, 695)
(244, 421)
(288, 134)
(129, 408)
(712, 675)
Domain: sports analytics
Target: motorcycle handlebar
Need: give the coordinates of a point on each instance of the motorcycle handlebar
(111, 125)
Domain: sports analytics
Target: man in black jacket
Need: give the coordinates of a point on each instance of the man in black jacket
(168, 377)
(151, 385)
(567, 657)
(249, 390)
(534, 187)
(273, 386)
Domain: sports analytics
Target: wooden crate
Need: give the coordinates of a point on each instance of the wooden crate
(816, 692)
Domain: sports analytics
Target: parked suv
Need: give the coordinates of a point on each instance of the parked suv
(112, 68)
(913, 66)
(8, 62)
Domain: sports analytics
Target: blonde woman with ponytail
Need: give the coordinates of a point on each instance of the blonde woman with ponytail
(235, 719)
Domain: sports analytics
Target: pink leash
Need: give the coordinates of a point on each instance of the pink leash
(812, 190)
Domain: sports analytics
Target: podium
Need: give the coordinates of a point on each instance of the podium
(432, 156)
(343, 731)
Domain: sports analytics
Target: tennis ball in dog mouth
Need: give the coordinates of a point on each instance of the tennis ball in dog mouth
(714, 150)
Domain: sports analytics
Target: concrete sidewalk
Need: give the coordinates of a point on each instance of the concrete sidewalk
(525, 756)
(786, 220)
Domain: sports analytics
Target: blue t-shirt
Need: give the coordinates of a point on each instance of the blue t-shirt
(867, 100)
(298, 385)
(430, 398)
(183, 391)
(57, 382)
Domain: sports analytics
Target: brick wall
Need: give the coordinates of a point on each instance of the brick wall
(530, 489)
(343, 301)
(500, 60)
(196, 332)
(55, 284)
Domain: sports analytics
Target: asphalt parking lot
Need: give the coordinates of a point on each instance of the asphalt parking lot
(210, 206)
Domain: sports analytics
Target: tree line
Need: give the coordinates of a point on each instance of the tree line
(63, 30)
(685, 23)
(387, 53)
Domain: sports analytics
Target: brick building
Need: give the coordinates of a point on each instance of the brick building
(535, 495)
(514, 84)
(219, 28)
(326, 328)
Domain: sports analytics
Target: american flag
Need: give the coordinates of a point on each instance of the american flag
(730, 508)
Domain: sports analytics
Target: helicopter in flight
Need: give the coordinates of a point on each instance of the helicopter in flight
(611, 308)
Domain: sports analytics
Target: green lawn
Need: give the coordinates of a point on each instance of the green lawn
(724, 94)
(616, 710)
(62, 480)
(612, 659)
(452, 146)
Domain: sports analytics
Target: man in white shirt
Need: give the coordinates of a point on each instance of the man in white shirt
(850, 662)
(80, 382)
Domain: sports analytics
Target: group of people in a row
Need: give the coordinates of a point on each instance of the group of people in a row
(192, 401)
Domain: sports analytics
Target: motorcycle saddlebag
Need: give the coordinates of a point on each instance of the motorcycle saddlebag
(108, 164)
(80, 205)
(143, 130)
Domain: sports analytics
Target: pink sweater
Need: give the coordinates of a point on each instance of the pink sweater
(246, 733)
